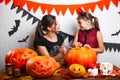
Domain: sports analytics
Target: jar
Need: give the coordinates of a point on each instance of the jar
(17, 72)
(10, 69)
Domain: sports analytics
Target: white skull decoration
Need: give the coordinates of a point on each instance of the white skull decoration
(106, 68)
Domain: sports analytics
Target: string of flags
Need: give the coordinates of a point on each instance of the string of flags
(62, 8)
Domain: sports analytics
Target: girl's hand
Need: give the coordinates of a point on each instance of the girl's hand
(88, 46)
(79, 44)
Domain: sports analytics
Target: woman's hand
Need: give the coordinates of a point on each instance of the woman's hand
(62, 53)
(63, 49)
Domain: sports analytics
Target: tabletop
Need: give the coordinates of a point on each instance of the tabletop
(63, 76)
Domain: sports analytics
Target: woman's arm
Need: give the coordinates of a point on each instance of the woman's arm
(100, 48)
(62, 53)
(43, 51)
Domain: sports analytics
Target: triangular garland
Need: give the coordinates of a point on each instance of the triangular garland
(111, 46)
(65, 35)
(24, 13)
(18, 10)
(7, 1)
(35, 19)
(62, 8)
(29, 17)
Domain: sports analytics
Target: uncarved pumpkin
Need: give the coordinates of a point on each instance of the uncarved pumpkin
(81, 55)
(19, 56)
(41, 66)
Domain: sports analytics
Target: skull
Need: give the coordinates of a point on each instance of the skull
(106, 68)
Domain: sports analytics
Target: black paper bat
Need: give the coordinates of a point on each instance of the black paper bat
(115, 33)
(24, 40)
(15, 27)
(119, 12)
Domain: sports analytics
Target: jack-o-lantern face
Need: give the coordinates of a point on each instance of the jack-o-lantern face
(19, 56)
(77, 70)
(41, 66)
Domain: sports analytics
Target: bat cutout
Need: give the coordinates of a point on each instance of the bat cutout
(114, 34)
(24, 40)
(15, 27)
(119, 13)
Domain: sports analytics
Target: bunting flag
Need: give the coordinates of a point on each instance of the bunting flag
(62, 8)
(25, 13)
(65, 35)
(110, 46)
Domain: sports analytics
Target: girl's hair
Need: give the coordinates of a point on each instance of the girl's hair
(88, 16)
(47, 21)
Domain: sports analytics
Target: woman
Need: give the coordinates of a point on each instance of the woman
(89, 34)
(47, 41)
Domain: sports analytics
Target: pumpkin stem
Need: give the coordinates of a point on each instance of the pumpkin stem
(82, 48)
(77, 47)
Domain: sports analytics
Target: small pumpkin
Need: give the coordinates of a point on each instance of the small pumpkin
(41, 66)
(81, 55)
(19, 56)
(78, 70)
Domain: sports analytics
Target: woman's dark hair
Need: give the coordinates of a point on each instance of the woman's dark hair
(88, 16)
(47, 21)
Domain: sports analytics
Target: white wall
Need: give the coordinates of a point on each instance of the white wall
(108, 19)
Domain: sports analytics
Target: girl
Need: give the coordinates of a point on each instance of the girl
(47, 41)
(89, 34)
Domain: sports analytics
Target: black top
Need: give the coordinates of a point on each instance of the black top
(52, 47)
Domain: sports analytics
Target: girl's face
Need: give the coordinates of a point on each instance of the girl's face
(84, 24)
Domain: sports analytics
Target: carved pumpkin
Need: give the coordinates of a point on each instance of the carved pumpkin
(81, 55)
(78, 70)
(19, 56)
(41, 66)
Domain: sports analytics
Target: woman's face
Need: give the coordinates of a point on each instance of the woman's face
(84, 24)
(55, 27)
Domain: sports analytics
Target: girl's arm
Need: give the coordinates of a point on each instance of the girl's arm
(75, 41)
(100, 48)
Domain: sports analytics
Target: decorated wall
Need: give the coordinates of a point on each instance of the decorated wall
(19, 18)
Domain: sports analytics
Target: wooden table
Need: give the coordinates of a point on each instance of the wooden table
(66, 76)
